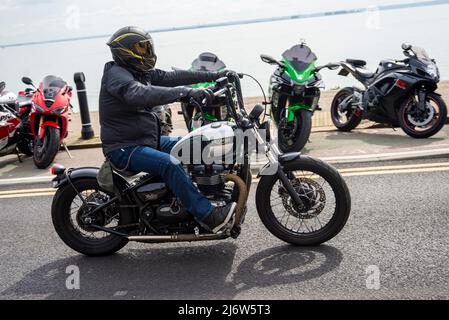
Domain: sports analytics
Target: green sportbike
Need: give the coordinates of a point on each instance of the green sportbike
(206, 61)
(294, 92)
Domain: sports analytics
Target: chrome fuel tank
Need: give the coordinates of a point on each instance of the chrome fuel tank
(207, 144)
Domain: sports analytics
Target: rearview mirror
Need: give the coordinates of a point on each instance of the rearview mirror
(270, 60)
(27, 81)
(406, 46)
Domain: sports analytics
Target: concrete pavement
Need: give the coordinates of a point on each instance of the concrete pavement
(365, 145)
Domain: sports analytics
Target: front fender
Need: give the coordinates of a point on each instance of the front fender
(271, 168)
(46, 124)
(295, 107)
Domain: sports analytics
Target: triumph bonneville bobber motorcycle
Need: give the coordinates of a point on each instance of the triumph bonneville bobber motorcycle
(295, 91)
(400, 93)
(299, 199)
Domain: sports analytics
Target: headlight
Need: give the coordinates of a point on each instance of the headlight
(59, 110)
(298, 89)
(37, 107)
(432, 70)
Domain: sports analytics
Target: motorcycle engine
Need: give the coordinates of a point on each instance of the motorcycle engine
(211, 183)
(371, 98)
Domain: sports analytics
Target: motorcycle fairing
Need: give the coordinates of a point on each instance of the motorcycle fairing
(207, 61)
(299, 62)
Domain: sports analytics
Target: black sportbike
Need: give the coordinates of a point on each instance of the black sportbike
(400, 93)
(299, 199)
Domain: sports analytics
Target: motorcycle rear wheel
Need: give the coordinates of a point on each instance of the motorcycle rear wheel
(352, 120)
(66, 213)
(318, 173)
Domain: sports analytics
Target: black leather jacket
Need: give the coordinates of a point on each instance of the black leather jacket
(126, 100)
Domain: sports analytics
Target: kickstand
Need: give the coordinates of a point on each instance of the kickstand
(18, 155)
(67, 150)
(394, 129)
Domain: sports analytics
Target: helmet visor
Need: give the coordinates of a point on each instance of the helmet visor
(144, 49)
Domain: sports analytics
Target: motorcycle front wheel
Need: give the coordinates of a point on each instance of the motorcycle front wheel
(293, 136)
(426, 124)
(45, 149)
(325, 207)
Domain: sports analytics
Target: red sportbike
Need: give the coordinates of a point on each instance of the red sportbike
(49, 118)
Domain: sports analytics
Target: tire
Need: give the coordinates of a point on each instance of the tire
(352, 120)
(406, 125)
(335, 224)
(60, 213)
(301, 134)
(44, 156)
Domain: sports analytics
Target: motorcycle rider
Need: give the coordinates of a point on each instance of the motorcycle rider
(130, 132)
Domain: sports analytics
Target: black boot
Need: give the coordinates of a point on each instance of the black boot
(219, 217)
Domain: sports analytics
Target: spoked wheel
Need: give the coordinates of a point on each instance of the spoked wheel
(325, 206)
(74, 222)
(348, 118)
(423, 124)
(293, 135)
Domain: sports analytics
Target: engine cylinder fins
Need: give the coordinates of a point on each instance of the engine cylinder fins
(209, 180)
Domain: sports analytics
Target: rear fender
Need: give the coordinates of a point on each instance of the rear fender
(82, 173)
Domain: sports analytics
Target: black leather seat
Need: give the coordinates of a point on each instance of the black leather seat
(364, 73)
(356, 62)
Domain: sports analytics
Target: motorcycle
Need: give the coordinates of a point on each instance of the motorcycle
(400, 93)
(206, 61)
(49, 116)
(299, 199)
(294, 89)
(13, 135)
(165, 118)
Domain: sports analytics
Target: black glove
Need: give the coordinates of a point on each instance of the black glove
(199, 94)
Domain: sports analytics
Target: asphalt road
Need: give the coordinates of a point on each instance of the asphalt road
(399, 224)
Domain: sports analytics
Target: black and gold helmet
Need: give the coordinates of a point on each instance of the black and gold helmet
(133, 47)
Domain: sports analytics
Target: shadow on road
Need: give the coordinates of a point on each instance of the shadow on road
(196, 272)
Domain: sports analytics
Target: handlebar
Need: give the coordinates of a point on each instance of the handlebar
(230, 87)
(330, 65)
(216, 94)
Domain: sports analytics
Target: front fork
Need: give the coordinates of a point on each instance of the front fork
(272, 153)
(422, 101)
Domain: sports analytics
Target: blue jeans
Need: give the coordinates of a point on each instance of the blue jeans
(146, 159)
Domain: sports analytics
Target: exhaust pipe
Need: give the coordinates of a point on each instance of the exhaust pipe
(243, 196)
(177, 238)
